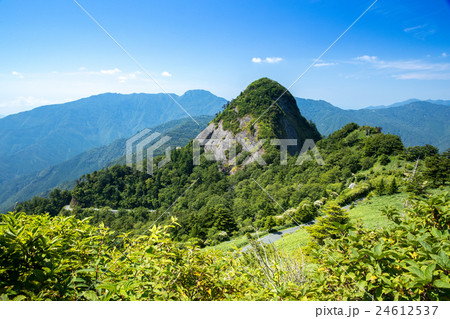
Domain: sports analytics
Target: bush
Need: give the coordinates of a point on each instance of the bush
(384, 160)
(380, 144)
(414, 152)
(332, 225)
(407, 262)
(437, 169)
(58, 258)
(350, 195)
(380, 187)
(270, 223)
(367, 162)
(392, 187)
(305, 212)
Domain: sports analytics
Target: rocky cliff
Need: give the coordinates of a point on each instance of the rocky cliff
(242, 133)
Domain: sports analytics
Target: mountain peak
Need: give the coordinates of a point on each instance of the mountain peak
(264, 111)
(269, 107)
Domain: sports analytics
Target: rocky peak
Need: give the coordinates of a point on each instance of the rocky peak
(257, 114)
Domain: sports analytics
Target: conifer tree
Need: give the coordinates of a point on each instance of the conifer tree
(333, 224)
(392, 187)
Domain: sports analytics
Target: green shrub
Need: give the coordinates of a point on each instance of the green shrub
(384, 160)
(407, 262)
(58, 258)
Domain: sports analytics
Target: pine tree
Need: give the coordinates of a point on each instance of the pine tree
(380, 187)
(392, 187)
(270, 223)
(223, 220)
(437, 169)
(334, 224)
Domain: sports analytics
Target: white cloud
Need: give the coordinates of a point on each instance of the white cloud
(412, 65)
(444, 54)
(267, 60)
(415, 28)
(82, 68)
(166, 74)
(421, 31)
(273, 59)
(21, 104)
(110, 72)
(367, 58)
(407, 65)
(130, 76)
(322, 64)
(415, 69)
(422, 76)
(19, 75)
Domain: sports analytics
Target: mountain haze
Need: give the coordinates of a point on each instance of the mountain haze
(441, 102)
(417, 123)
(33, 140)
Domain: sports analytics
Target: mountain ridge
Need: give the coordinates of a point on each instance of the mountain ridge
(402, 103)
(33, 140)
(430, 120)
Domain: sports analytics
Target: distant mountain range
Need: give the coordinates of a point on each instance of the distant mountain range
(442, 102)
(54, 145)
(417, 123)
(64, 174)
(34, 140)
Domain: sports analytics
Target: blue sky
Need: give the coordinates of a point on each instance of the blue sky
(52, 52)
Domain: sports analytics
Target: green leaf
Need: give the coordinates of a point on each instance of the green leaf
(441, 284)
(425, 245)
(378, 250)
(416, 271)
(412, 263)
(107, 286)
(429, 271)
(445, 259)
(436, 233)
(19, 298)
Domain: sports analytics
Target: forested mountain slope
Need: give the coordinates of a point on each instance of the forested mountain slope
(417, 123)
(64, 174)
(34, 140)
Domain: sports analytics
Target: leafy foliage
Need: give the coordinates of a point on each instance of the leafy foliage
(64, 258)
(381, 144)
(333, 224)
(56, 258)
(409, 261)
(414, 152)
(437, 169)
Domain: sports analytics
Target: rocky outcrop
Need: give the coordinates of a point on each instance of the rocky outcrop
(225, 147)
(264, 110)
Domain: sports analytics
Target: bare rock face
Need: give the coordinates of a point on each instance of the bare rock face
(223, 146)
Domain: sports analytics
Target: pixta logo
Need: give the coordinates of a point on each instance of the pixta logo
(144, 145)
(148, 142)
(223, 150)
